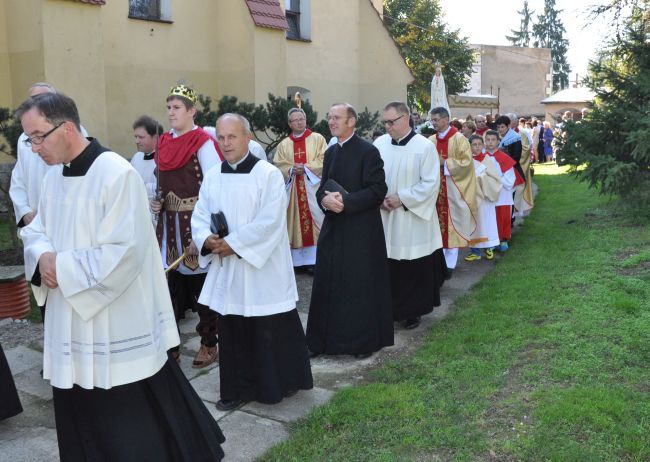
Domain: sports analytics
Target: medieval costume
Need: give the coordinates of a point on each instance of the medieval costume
(304, 217)
(350, 310)
(182, 162)
(263, 355)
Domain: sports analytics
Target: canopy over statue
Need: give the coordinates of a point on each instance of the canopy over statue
(439, 90)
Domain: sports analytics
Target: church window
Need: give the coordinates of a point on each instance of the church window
(151, 10)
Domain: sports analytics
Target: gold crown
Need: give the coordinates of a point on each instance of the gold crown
(184, 91)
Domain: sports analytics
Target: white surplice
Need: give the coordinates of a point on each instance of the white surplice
(413, 172)
(259, 280)
(110, 320)
(486, 223)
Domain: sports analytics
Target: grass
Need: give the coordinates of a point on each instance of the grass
(545, 359)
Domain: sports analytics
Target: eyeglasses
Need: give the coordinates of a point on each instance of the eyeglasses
(390, 123)
(300, 119)
(39, 139)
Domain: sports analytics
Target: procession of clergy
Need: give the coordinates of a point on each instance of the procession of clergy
(378, 225)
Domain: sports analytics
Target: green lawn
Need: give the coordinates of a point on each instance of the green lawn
(545, 359)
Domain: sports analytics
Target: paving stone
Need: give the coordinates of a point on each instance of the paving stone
(188, 325)
(290, 409)
(303, 319)
(249, 436)
(192, 344)
(31, 382)
(33, 444)
(186, 367)
(207, 385)
(22, 358)
(216, 413)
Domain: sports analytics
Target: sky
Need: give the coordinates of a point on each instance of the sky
(488, 23)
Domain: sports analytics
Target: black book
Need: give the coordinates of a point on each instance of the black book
(332, 186)
(219, 225)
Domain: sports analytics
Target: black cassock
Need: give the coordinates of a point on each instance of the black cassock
(350, 309)
(9, 403)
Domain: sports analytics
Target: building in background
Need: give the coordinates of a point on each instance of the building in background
(117, 59)
(506, 79)
(569, 99)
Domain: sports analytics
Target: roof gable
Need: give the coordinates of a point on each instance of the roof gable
(267, 13)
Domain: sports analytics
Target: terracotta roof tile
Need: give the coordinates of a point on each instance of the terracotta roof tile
(267, 13)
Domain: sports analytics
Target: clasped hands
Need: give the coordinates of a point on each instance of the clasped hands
(47, 268)
(299, 169)
(218, 246)
(391, 202)
(333, 201)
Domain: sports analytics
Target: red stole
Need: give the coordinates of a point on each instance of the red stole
(443, 143)
(300, 157)
(506, 163)
(481, 131)
(442, 204)
(173, 153)
(480, 157)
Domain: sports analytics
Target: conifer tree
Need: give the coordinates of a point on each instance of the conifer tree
(549, 32)
(521, 37)
(610, 148)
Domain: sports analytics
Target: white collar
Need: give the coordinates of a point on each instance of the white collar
(443, 134)
(341, 143)
(234, 166)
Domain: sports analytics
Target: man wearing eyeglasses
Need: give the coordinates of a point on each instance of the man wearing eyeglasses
(350, 310)
(456, 204)
(91, 252)
(28, 173)
(409, 215)
(300, 159)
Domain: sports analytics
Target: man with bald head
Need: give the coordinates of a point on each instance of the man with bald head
(240, 225)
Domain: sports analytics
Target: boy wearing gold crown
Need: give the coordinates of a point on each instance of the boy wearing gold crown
(185, 154)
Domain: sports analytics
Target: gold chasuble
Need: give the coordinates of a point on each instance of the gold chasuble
(308, 149)
(524, 194)
(456, 204)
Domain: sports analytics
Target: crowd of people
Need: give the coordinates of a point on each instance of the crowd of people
(542, 135)
(117, 253)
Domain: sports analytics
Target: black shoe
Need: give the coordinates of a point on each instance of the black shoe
(228, 405)
(310, 270)
(448, 274)
(363, 355)
(313, 354)
(409, 324)
(291, 393)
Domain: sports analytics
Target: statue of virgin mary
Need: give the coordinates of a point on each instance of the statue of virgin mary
(439, 90)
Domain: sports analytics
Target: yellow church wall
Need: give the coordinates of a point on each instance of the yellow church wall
(350, 58)
(74, 59)
(21, 57)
